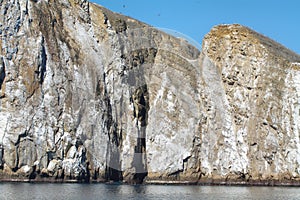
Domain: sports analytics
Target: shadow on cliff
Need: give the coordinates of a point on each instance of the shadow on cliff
(2, 72)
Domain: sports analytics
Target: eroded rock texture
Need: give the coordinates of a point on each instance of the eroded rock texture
(87, 94)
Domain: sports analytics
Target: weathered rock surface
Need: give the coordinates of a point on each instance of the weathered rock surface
(87, 94)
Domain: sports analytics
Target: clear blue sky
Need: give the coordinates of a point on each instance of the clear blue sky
(279, 20)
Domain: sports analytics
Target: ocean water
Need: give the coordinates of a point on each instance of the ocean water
(74, 191)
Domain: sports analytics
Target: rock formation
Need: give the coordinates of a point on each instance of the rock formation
(91, 95)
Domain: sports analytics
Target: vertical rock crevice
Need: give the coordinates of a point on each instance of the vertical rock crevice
(1, 156)
(2, 73)
(113, 170)
(42, 61)
(140, 100)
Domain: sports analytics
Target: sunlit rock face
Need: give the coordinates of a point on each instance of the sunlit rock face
(91, 95)
(252, 88)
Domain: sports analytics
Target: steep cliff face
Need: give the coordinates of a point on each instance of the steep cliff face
(253, 92)
(87, 94)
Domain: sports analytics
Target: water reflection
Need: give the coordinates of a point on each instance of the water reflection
(117, 191)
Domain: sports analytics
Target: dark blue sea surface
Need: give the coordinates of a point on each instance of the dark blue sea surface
(74, 191)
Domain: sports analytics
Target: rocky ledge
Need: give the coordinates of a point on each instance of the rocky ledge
(91, 95)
